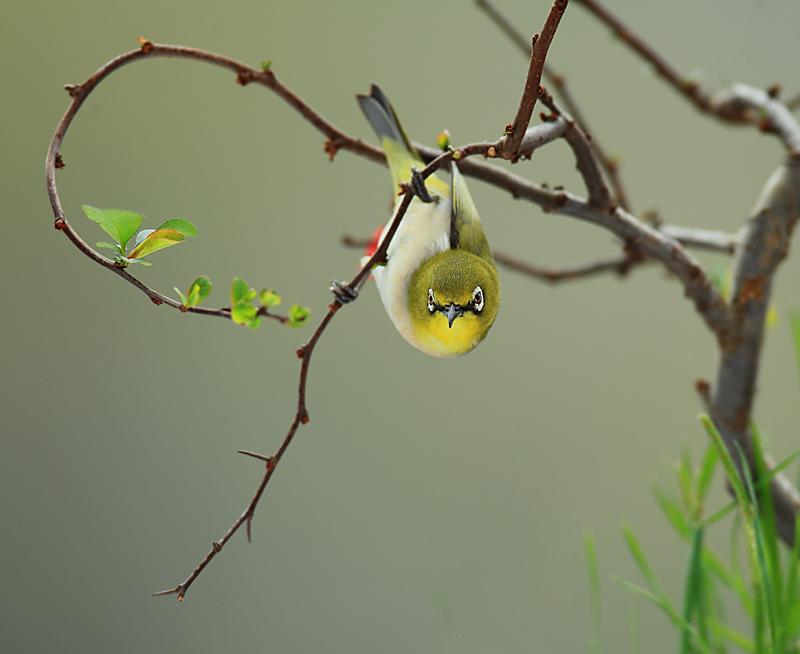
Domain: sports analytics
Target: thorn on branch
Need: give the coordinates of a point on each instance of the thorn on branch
(243, 78)
(72, 89)
(301, 352)
(269, 460)
(216, 546)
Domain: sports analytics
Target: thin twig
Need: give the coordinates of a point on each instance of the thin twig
(301, 415)
(599, 194)
(688, 88)
(620, 265)
(508, 146)
(559, 83)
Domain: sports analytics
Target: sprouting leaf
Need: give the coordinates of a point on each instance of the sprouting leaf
(199, 290)
(111, 246)
(180, 225)
(266, 64)
(245, 314)
(269, 298)
(443, 140)
(241, 292)
(298, 316)
(119, 224)
(157, 240)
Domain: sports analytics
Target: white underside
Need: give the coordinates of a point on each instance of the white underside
(423, 233)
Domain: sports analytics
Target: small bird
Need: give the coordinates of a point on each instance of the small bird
(439, 285)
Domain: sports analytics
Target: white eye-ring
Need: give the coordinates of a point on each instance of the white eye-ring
(431, 301)
(477, 299)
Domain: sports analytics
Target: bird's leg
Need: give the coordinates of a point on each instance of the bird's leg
(343, 292)
(417, 184)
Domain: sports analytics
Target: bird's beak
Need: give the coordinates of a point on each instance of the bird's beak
(452, 311)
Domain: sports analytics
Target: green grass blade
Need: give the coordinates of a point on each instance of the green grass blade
(692, 590)
(644, 566)
(669, 506)
(790, 607)
(735, 637)
(667, 607)
(594, 588)
(762, 573)
(794, 321)
(748, 603)
(706, 472)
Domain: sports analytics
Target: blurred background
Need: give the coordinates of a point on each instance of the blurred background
(383, 530)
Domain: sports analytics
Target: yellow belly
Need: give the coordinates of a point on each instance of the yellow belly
(436, 337)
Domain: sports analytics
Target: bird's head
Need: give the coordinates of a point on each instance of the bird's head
(453, 299)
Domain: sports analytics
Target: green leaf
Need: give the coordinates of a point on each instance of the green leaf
(180, 225)
(298, 316)
(239, 291)
(269, 298)
(245, 314)
(157, 240)
(199, 290)
(184, 299)
(119, 224)
(111, 246)
(141, 236)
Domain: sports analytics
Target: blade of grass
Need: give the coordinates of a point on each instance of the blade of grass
(667, 607)
(762, 572)
(594, 588)
(790, 607)
(692, 590)
(706, 472)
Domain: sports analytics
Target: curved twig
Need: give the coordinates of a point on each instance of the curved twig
(558, 82)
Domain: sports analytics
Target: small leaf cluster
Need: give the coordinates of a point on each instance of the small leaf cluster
(243, 312)
(122, 226)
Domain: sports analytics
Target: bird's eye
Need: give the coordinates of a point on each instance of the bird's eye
(431, 301)
(477, 299)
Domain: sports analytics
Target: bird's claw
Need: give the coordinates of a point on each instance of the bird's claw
(343, 292)
(417, 184)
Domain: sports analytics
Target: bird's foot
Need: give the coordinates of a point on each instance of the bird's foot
(343, 292)
(417, 184)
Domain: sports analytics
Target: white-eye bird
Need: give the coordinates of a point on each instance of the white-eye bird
(439, 285)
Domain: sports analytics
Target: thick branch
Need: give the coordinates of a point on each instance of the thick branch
(765, 243)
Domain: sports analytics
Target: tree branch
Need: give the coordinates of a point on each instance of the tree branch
(508, 146)
(558, 82)
(765, 243)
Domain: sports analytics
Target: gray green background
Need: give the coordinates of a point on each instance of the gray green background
(430, 505)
